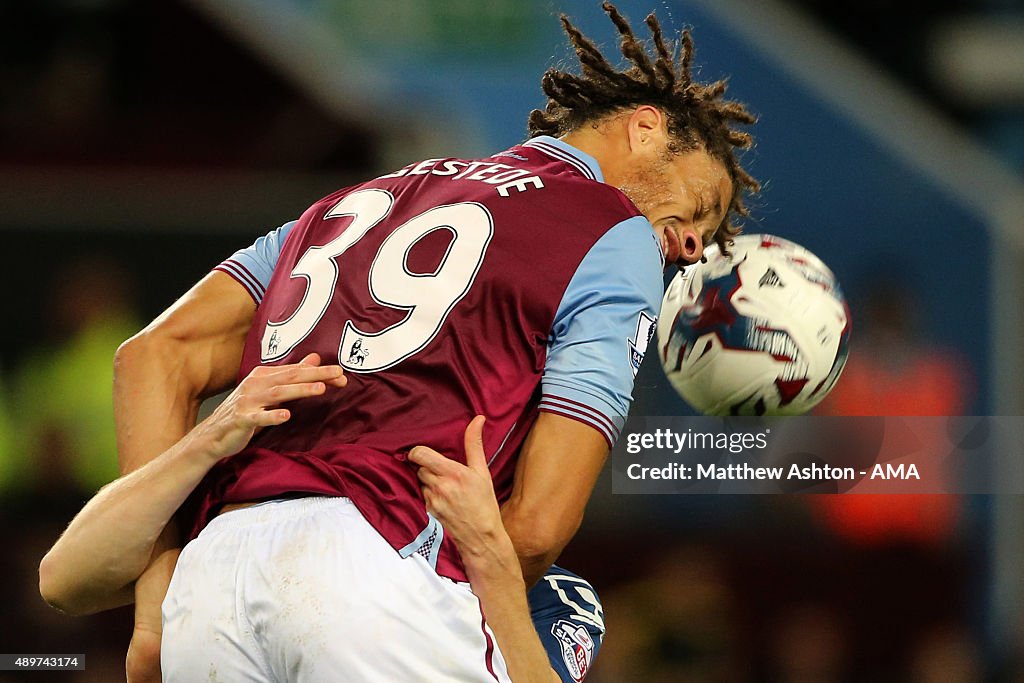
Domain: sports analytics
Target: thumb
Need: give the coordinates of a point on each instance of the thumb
(474, 443)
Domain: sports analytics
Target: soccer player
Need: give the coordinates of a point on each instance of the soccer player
(523, 287)
(109, 543)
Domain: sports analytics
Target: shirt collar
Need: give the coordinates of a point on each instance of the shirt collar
(563, 151)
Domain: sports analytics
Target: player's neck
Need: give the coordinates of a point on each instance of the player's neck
(605, 144)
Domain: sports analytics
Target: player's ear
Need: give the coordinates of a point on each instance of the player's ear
(645, 128)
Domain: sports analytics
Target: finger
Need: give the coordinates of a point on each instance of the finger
(428, 458)
(269, 418)
(311, 359)
(474, 443)
(429, 502)
(436, 505)
(338, 382)
(294, 374)
(428, 479)
(283, 393)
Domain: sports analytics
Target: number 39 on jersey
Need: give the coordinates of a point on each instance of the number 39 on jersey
(427, 298)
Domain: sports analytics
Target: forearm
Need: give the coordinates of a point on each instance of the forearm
(545, 508)
(142, 664)
(109, 543)
(535, 549)
(533, 567)
(493, 572)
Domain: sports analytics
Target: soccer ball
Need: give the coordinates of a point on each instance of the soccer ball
(764, 331)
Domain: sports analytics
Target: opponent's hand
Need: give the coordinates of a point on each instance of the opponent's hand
(255, 403)
(461, 497)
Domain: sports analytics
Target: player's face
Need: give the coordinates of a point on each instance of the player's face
(684, 196)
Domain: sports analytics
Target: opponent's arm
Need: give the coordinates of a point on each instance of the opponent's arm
(110, 542)
(461, 497)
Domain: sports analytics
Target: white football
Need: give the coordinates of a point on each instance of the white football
(763, 331)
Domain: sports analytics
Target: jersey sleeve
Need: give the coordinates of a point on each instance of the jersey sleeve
(253, 266)
(569, 619)
(601, 330)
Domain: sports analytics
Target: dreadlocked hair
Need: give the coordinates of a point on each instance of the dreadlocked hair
(698, 117)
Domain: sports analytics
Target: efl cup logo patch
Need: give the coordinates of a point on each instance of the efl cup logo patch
(645, 326)
(577, 647)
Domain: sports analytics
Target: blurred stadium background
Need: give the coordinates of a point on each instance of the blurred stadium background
(143, 142)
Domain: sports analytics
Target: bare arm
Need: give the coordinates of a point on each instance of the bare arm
(110, 542)
(462, 499)
(557, 469)
(161, 376)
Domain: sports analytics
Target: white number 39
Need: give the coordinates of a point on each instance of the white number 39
(427, 298)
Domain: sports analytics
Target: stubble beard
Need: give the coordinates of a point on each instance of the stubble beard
(648, 186)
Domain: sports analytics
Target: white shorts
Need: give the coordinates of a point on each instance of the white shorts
(306, 590)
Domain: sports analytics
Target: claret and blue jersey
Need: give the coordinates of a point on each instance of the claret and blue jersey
(585, 373)
(504, 287)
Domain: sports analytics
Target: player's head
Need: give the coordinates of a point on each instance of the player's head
(665, 140)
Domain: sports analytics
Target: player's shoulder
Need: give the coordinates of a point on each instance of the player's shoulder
(561, 594)
(320, 207)
(576, 172)
(587, 200)
(569, 620)
(538, 178)
(555, 573)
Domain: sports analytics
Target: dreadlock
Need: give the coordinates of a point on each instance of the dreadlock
(698, 117)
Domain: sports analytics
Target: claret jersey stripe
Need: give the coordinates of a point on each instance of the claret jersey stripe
(581, 413)
(574, 414)
(253, 266)
(489, 651)
(599, 417)
(244, 277)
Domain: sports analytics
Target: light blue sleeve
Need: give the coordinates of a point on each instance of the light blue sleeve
(253, 266)
(601, 330)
